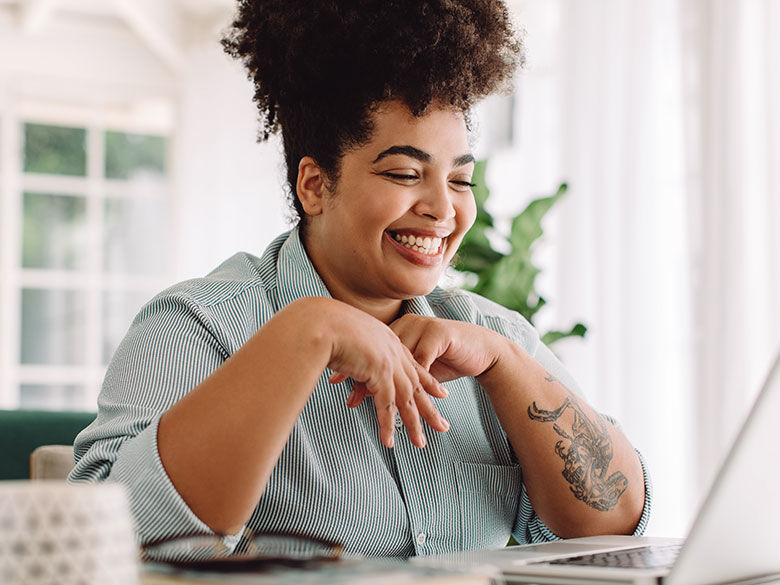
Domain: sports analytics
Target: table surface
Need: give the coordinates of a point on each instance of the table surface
(351, 572)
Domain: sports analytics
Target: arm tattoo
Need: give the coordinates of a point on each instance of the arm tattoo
(587, 452)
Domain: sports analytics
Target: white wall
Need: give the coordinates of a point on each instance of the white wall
(229, 192)
(80, 61)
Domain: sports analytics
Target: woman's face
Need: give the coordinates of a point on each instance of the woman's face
(399, 210)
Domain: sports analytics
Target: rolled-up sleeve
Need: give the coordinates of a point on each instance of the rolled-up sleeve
(168, 351)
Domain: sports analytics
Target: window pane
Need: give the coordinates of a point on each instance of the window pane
(54, 232)
(130, 154)
(134, 240)
(119, 309)
(51, 397)
(53, 327)
(55, 150)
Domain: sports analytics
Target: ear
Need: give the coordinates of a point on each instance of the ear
(310, 187)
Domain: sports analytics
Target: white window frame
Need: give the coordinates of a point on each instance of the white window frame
(14, 182)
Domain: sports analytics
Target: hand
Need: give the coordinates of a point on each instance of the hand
(449, 349)
(367, 350)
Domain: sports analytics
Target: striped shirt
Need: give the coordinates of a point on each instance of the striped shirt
(334, 479)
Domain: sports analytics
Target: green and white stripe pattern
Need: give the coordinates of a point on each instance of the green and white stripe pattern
(334, 480)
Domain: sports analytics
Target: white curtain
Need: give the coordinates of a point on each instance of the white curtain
(663, 118)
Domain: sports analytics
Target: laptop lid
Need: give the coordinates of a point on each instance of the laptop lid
(735, 534)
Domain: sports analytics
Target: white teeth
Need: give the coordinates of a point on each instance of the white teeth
(426, 245)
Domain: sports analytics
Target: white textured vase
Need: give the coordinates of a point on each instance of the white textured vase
(53, 533)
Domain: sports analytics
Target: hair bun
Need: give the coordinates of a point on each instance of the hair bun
(364, 51)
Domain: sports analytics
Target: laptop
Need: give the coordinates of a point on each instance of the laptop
(735, 537)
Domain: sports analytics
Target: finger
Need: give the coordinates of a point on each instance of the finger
(428, 349)
(429, 412)
(407, 408)
(337, 378)
(429, 383)
(424, 405)
(424, 339)
(407, 333)
(385, 414)
(357, 395)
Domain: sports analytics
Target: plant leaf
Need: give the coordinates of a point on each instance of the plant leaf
(527, 227)
(508, 279)
(476, 256)
(511, 283)
(579, 330)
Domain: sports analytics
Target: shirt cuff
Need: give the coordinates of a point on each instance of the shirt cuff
(531, 529)
(159, 511)
(645, 517)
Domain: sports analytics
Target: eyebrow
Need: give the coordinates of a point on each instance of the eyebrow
(462, 160)
(421, 155)
(407, 150)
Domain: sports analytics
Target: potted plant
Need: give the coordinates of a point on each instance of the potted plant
(508, 278)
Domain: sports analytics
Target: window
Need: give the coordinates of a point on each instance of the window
(85, 241)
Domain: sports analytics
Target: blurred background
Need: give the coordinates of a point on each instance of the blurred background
(128, 161)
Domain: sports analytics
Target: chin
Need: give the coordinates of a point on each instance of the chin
(415, 290)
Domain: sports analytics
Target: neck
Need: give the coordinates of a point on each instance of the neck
(384, 309)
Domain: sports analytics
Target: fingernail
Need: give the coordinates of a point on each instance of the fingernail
(392, 442)
(351, 399)
(445, 423)
(444, 390)
(423, 440)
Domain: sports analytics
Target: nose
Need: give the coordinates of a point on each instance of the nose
(436, 202)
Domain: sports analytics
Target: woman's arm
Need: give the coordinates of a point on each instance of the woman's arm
(582, 475)
(221, 441)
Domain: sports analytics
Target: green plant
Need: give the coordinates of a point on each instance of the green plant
(508, 278)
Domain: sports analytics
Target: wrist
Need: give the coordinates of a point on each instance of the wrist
(504, 352)
(310, 322)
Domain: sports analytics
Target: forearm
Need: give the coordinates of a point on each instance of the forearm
(582, 475)
(220, 443)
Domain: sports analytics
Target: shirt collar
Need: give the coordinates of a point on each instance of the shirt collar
(417, 306)
(297, 277)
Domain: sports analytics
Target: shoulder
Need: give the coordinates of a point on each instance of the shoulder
(230, 302)
(233, 278)
(464, 305)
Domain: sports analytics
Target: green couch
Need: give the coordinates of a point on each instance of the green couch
(21, 431)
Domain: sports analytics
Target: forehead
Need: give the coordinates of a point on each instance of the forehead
(440, 132)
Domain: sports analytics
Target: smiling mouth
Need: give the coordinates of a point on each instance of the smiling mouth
(427, 245)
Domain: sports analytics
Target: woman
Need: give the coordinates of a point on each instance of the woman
(329, 387)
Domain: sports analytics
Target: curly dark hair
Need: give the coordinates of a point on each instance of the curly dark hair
(320, 68)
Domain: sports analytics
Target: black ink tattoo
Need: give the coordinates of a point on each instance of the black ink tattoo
(587, 457)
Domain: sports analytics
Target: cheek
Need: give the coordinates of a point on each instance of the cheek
(466, 213)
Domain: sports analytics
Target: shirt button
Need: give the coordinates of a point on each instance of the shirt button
(421, 539)
(398, 422)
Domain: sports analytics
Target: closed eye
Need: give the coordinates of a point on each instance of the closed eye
(463, 185)
(399, 176)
